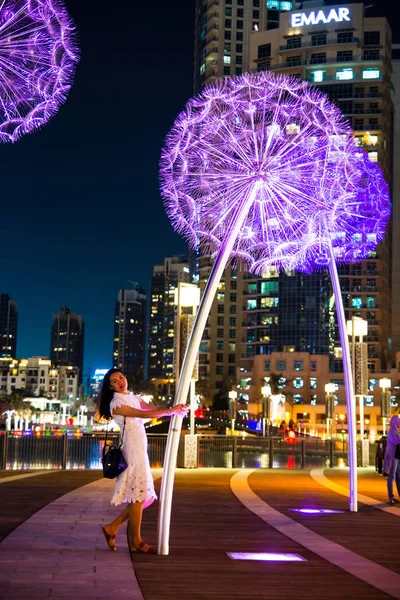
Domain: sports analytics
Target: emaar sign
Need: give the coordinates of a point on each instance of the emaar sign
(337, 15)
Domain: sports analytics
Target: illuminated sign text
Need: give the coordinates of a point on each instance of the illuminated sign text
(338, 15)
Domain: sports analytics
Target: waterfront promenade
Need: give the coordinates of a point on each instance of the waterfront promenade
(51, 544)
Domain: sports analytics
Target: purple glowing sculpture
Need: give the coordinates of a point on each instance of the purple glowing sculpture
(262, 170)
(38, 55)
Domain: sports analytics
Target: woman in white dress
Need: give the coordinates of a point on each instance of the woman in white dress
(134, 486)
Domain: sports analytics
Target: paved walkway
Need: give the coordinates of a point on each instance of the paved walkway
(59, 551)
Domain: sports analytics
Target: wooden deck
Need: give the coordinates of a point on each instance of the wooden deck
(209, 520)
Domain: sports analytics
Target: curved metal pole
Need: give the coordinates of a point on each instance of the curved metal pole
(171, 451)
(348, 381)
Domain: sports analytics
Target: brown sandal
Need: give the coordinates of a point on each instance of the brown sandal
(143, 547)
(109, 539)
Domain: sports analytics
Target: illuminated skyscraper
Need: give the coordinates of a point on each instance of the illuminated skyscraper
(162, 315)
(347, 54)
(130, 332)
(8, 326)
(67, 340)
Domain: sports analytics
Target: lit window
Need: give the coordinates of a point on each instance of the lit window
(298, 365)
(313, 383)
(317, 76)
(298, 383)
(338, 353)
(344, 74)
(356, 302)
(269, 302)
(297, 399)
(373, 156)
(227, 60)
(371, 74)
(268, 287)
(220, 297)
(371, 302)
(251, 304)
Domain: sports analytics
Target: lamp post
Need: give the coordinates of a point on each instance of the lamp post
(385, 384)
(266, 393)
(187, 299)
(232, 408)
(358, 327)
(330, 388)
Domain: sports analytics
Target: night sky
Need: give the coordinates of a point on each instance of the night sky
(81, 214)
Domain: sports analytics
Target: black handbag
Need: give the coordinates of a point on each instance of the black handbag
(113, 460)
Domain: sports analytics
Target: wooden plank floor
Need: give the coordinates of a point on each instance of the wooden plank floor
(208, 521)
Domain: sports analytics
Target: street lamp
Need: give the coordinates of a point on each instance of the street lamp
(330, 389)
(385, 384)
(232, 408)
(266, 392)
(358, 327)
(186, 299)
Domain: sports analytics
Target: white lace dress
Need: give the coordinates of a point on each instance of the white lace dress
(135, 484)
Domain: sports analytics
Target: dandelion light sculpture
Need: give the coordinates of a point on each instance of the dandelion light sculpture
(38, 55)
(262, 170)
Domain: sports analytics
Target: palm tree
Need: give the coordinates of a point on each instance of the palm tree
(276, 386)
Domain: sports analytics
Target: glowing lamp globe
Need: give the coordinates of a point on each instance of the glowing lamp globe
(38, 55)
(283, 145)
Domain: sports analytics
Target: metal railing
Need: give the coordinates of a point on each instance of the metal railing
(18, 452)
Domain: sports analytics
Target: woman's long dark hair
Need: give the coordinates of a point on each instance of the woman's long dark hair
(106, 394)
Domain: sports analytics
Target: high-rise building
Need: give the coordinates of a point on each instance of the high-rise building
(8, 326)
(223, 30)
(396, 201)
(67, 340)
(348, 55)
(162, 315)
(130, 332)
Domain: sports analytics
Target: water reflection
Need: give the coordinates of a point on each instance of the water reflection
(85, 452)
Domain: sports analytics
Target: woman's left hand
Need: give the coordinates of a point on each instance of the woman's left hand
(181, 410)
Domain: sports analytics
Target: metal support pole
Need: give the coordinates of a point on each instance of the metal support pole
(303, 454)
(331, 443)
(4, 458)
(263, 426)
(348, 381)
(182, 389)
(270, 453)
(234, 452)
(65, 452)
(361, 400)
(192, 408)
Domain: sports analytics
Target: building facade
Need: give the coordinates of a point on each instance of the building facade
(130, 332)
(348, 55)
(396, 200)
(8, 326)
(163, 285)
(302, 381)
(38, 376)
(67, 340)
